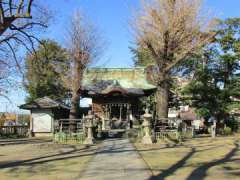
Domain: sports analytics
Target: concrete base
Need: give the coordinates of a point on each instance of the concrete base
(36, 134)
(89, 141)
(147, 140)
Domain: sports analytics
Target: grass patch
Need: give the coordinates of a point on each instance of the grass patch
(198, 158)
(44, 161)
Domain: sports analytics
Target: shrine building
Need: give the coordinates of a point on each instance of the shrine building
(115, 92)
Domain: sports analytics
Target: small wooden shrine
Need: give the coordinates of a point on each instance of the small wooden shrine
(44, 112)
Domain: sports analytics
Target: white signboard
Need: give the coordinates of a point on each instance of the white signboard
(42, 122)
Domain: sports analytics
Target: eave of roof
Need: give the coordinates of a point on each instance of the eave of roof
(43, 103)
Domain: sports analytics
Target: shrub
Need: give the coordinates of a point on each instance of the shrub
(227, 131)
(232, 123)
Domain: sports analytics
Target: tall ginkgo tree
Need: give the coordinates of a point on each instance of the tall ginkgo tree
(85, 47)
(172, 31)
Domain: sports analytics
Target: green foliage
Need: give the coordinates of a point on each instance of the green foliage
(227, 131)
(204, 93)
(232, 123)
(216, 80)
(44, 71)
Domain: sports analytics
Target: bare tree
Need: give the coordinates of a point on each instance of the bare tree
(11, 10)
(18, 28)
(172, 30)
(17, 23)
(85, 46)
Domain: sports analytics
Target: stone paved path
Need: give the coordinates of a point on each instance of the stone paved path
(116, 160)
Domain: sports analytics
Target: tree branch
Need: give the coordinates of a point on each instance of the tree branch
(20, 6)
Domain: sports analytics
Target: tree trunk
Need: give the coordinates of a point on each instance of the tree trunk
(75, 101)
(74, 105)
(76, 85)
(162, 100)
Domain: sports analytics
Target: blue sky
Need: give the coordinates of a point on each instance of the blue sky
(112, 17)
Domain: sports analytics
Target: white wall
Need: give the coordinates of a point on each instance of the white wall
(42, 121)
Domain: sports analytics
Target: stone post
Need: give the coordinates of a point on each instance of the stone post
(147, 139)
(213, 128)
(103, 124)
(99, 134)
(89, 126)
(84, 125)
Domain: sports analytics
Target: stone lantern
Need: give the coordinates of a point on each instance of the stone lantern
(147, 139)
(89, 126)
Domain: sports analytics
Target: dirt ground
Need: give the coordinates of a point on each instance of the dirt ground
(25, 159)
(199, 158)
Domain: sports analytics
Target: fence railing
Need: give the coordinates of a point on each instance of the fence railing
(187, 133)
(170, 135)
(62, 137)
(174, 135)
(21, 131)
(68, 125)
(165, 124)
(69, 131)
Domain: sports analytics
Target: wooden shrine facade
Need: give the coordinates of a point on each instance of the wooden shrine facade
(115, 92)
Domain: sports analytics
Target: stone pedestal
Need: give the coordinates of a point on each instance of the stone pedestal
(89, 125)
(147, 139)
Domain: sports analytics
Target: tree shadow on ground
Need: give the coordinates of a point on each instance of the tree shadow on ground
(201, 171)
(172, 169)
(75, 153)
(120, 149)
(23, 141)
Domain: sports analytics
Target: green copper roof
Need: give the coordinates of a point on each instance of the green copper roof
(127, 78)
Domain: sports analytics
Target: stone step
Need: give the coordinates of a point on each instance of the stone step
(116, 133)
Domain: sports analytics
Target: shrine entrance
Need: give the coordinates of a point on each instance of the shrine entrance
(118, 115)
(119, 111)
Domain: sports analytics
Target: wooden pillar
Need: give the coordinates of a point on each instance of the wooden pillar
(110, 111)
(128, 118)
(110, 119)
(31, 126)
(120, 117)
